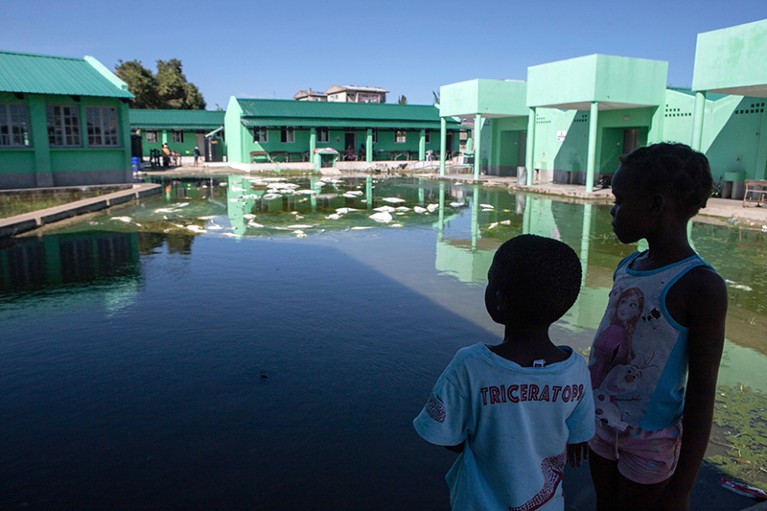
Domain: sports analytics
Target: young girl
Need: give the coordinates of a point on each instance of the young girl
(647, 451)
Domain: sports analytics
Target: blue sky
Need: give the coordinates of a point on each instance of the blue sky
(271, 49)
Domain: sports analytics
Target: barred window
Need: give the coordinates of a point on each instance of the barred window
(102, 126)
(63, 125)
(151, 136)
(14, 125)
(400, 137)
(177, 136)
(322, 135)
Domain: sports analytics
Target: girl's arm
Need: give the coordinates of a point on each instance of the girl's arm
(705, 297)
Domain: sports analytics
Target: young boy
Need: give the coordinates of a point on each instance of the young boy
(511, 409)
(655, 380)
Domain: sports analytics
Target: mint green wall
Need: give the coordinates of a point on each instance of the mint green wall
(734, 143)
(678, 116)
(235, 132)
(597, 78)
(732, 58)
(39, 165)
(185, 149)
(500, 97)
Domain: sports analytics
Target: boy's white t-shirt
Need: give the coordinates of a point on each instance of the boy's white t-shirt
(516, 422)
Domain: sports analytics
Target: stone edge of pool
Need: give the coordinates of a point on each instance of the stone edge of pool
(26, 222)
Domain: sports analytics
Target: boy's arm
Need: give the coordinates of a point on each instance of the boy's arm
(707, 299)
(576, 453)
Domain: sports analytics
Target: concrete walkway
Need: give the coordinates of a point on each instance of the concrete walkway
(18, 224)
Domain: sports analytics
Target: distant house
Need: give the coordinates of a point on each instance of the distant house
(63, 122)
(310, 95)
(356, 94)
(285, 130)
(182, 130)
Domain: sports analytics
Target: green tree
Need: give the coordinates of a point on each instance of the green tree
(141, 83)
(169, 88)
(174, 90)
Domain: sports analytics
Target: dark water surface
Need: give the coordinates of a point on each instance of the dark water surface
(239, 344)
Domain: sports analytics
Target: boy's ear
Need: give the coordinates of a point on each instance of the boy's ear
(657, 204)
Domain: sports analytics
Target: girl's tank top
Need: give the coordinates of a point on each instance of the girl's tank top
(638, 359)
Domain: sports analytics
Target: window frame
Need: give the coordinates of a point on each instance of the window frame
(18, 132)
(152, 136)
(287, 135)
(59, 129)
(400, 137)
(99, 131)
(257, 132)
(177, 136)
(323, 135)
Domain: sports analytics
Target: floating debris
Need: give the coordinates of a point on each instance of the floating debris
(333, 216)
(393, 200)
(299, 233)
(492, 226)
(195, 228)
(487, 206)
(361, 228)
(432, 207)
(125, 219)
(381, 217)
(385, 209)
(403, 209)
(271, 196)
(735, 285)
(457, 204)
(300, 226)
(343, 211)
(248, 216)
(182, 205)
(255, 225)
(419, 209)
(506, 222)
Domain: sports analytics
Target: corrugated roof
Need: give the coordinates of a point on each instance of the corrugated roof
(302, 122)
(176, 119)
(267, 112)
(45, 74)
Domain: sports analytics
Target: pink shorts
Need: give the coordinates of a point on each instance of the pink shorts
(645, 457)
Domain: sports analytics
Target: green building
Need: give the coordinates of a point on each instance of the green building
(572, 120)
(276, 130)
(63, 122)
(182, 130)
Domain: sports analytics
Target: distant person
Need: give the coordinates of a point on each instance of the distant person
(518, 410)
(165, 155)
(196, 155)
(655, 375)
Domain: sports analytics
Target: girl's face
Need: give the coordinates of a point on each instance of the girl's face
(631, 211)
(628, 308)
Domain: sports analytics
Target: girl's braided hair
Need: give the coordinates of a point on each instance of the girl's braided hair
(675, 169)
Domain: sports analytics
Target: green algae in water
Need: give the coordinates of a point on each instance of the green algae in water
(740, 418)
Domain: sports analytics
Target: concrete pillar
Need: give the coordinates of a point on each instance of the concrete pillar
(592, 155)
(164, 137)
(422, 146)
(369, 145)
(442, 144)
(38, 131)
(312, 146)
(369, 191)
(529, 151)
(697, 121)
(477, 143)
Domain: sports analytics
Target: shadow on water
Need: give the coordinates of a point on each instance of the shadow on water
(171, 367)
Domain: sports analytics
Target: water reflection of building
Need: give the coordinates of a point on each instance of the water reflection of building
(68, 260)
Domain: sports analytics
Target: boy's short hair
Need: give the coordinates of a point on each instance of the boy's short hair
(676, 169)
(539, 278)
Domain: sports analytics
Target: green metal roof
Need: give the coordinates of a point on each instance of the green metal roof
(282, 112)
(44, 74)
(176, 119)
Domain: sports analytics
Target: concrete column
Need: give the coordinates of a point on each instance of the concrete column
(529, 151)
(369, 191)
(312, 147)
(697, 121)
(442, 144)
(474, 218)
(592, 155)
(477, 140)
(164, 137)
(422, 146)
(38, 131)
(369, 145)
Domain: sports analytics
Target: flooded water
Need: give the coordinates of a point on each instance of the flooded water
(244, 343)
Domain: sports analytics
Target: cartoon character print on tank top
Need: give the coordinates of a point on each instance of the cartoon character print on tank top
(638, 360)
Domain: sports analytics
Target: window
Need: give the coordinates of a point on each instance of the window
(322, 135)
(400, 137)
(260, 135)
(178, 136)
(102, 126)
(287, 135)
(14, 125)
(151, 136)
(428, 137)
(63, 125)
